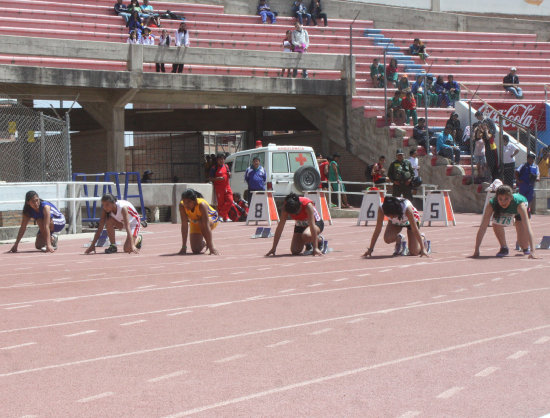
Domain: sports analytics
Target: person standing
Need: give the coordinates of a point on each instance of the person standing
(219, 176)
(335, 178)
(255, 177)
(544, 162)
(491, 151)
(526, 176)
(511, 83)
(509, 151)
(182, 39)
(401, 174)
(300, 41)
(164, 42)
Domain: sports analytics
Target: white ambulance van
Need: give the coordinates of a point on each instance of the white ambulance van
(288, 169)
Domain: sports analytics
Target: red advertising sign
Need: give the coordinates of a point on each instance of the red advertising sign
(528, 114)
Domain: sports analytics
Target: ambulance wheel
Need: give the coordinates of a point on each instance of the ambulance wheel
(307, 179)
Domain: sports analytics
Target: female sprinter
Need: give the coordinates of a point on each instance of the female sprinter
(504, 208)
(49, 219)
(307, 230)
(401, 213)
(202, 219)
(121, 215)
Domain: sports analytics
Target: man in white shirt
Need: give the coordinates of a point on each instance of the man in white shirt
(413, 158)
(509, 161)
(182, 39)
(147, 38)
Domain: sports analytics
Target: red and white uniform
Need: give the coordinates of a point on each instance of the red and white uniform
(301, 217)
(405, 221)
(224, 195)
(133, 216)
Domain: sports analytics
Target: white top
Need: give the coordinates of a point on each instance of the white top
(148, 40)
(300, 38)
(287, 46)
(164, 41)
(133, 215)
(414, 164)
(508, 151)
(479, 149)
(132, 41)
(182, 38)
(405, 203)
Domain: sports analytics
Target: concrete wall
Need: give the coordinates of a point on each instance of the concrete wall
(89, 151)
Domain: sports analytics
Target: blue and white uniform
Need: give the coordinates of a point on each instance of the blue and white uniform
(57, 217)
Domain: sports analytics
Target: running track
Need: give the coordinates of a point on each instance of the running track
(160, 335)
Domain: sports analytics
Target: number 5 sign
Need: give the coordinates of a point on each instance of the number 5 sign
(372, 199)
(438, 208)
(262, 208)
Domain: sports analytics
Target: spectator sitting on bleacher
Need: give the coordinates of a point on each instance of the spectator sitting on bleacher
(164, 42)
(439, 89)
(403, 84)
(300, 11)
(377, 73)
(147, 38)
(122, 10)
(150, 12)
(446, 147)
(391, 72)
(134, 6)
(419, 134)
(132, 38)
(394, 106)
(409, 106)
(300, 41)
(181, 39)
(511, 84)
(265, 12)
(430, 92)
(317, 12)
(378, 172)
(418, 48)
(453, 90)
(134, 24)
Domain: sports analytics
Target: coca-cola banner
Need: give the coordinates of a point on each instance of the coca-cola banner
(528, 114)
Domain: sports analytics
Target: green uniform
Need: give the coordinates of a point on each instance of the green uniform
(506, 215)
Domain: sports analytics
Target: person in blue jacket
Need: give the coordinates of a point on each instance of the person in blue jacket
(526, 176)
(446, 147)
(255, 177)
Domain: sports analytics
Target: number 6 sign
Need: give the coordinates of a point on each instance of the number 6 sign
(372, 199)
(438, 208)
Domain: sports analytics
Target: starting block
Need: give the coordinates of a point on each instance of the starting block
(372, 200)
(545, 243)
(102, 241)
(320, 202)
(262, 208)
(438, 208)
(262, 232)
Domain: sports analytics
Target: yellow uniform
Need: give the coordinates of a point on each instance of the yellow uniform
(195, 216)
(543, 166)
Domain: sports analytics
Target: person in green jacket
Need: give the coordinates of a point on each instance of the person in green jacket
(334, 176)
(377, 73)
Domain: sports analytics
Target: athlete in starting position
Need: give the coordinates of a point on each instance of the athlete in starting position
(118, 214)
(401, 214)
(307, 230)
(49, 219)
(202, 220)
(506, 207)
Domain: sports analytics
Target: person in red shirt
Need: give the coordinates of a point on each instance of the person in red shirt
(409, 105)
(378, 171)
(307, 230)
(219, 176)
(323, 169)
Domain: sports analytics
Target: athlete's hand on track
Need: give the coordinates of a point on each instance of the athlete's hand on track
(368, 253)
(533, 256)
(90, 249)
(13, 249)
(424, 253)
(183, 251)
(476, 254)
(133, 250)
(50, 249)
(271, 252)
(213, 251)
(316, 251)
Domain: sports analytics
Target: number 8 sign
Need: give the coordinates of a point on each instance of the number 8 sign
(262, 208)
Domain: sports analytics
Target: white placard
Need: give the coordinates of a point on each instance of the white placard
(372, 199)
(260, 208)
(438, 208)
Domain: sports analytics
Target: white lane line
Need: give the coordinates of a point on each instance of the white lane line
(449, 392)
(96, 274)
(96, 397)
(63, 278)
(542, 340)
(256, 297)
(385, 270)
(362, 275)
(146, 286)
(90, 331)
(211, 277)
(345, 278)
(486, 372)
(414, 303)
(512, 274)
(238, 272)
(279, 344)
(227, 359)
(22, 268)
(215, 305)
(321, 331)
(286, 290)
(166, 376)
(133, 322)
(180, 281)
(264, 268)
(308, 262)
(301, 325)
(479, 284)
(459, 290)
(315, 284)
(496, 279)
(11, 347)
(518, 354)
(17, 307)
(178, 313)
(354, 321)
(410, 414)
(22, 284)
(55, 265)
(438, 296)
(29, 416)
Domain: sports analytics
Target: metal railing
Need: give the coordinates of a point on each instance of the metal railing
(546, 88)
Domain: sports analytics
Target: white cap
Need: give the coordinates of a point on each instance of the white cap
(513, 69)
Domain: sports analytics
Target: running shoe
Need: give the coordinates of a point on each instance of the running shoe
(325, 247)
(518, 247)
(527, 251)
(503, 252)
(309, 249)
(321, 240)
(112, 249)
(139, 241)
(399, 245)
(427, 244)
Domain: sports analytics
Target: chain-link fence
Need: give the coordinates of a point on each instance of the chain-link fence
(33, 146)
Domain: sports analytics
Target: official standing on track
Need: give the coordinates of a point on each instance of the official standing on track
(255, 177)
(219, 176)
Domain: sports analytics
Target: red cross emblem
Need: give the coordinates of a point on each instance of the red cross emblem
(301, 159)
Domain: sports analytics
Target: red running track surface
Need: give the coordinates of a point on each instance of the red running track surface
(158, 335)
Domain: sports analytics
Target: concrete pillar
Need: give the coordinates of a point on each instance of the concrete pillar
(462, 23)
(111, 119)
(436, 5)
